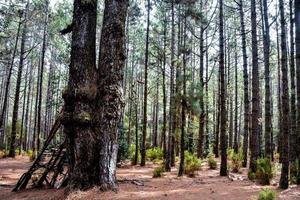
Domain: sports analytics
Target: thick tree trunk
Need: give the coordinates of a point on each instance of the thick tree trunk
(284, 179)
(93, 112)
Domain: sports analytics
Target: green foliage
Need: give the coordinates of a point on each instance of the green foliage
(29, 153)
(158, 171)
(264, 171)
(294, 171)
(267, 194)
(131, 154)
(155, 153)
(230, 153)
(236, 161)
(212, 163)
(191, 164)
(251, 175)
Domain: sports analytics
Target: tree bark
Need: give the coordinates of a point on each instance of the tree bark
(246, 89)
(284, 178)
(143, 147)
(255, 133)
(268, 114)
(293, 136)
(223, 137)
(17, 94)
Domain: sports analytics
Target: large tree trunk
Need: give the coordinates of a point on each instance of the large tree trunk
(79, 110)
(284, 179)
(255, 133)
(223, 137)
(93, 101)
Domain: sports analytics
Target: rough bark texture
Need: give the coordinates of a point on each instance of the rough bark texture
(183, 108)
(246, 90)
(255, 132)
(201, 94)
(79, 110)
(112, 61)
(223, 137)
(268, 115)
(284, 179)
(172, 98)
(93, 99)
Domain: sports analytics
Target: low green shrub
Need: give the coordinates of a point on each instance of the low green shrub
(230, 153)
(264, 171)
(294, 171)
(155, 153)
(267, 194)
(212, 163)
(29, 153)
(251, 175)
(191, 164)
(158, 171)
(236, 162)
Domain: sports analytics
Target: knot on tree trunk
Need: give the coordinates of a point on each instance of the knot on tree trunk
(85, 94)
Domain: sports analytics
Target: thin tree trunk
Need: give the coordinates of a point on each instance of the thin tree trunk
(268, 114)
(143, 147)
(223, 137)
(297, 42)
(255, 133)
(17, 94)
(284, 178)
(246, 89)
(7, 85)
(293, 136)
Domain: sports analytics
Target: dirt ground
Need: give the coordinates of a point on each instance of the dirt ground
(137, 183)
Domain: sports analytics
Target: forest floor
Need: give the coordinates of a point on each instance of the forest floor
(136, 182)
